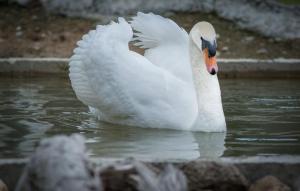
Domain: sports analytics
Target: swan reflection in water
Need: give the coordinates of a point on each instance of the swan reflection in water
(44, 118)
(113, 141)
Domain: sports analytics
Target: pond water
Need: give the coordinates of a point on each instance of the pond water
(263, 118)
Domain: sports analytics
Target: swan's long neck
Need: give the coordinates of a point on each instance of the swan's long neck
(210, 110)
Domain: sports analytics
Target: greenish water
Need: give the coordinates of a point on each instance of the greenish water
(263, 118)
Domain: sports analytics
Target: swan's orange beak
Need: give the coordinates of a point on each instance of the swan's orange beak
(210, 62)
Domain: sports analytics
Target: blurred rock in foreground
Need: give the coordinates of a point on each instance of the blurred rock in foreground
(61, 163)
(269, 18)
(269, 183)
(130, 174)
(214, 176)
(3, 187)
(58, 164)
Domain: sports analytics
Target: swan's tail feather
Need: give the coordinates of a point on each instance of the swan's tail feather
(78, 77)
(85, 59)
(154, 30)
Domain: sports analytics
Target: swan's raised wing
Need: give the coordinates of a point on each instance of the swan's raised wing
(126, 87)
(165, 42)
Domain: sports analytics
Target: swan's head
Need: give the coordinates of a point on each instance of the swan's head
(204, 37)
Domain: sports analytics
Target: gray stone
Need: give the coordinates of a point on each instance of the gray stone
(170, 179)
(270, 183)
(108, 7)
(248, 39)
(18, 28)
(285, 170)
(296, 183)
(122, 175)
(11, 170)
(68, 7)
(133, 175)
(204, 175)
(225, 48)
(19, 31)
(266, 17)
(58, 164)
(23, 2)
(19, 34)
(262, 51)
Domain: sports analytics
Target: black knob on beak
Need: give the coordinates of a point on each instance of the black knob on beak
(213, 72)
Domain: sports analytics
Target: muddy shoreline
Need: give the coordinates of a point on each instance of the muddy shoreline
(32, 32)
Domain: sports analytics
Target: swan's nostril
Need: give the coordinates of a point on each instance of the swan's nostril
(213, 71)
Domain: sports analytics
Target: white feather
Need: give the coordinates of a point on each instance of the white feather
(163, 37)
(126, 88)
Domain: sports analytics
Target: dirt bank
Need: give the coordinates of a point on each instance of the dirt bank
(31, 32)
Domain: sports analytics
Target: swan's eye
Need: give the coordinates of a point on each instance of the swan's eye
(204, 43)
(212, 47)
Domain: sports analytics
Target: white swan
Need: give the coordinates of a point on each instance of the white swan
(172, 86)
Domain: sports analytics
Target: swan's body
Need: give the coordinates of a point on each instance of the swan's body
(155, 90)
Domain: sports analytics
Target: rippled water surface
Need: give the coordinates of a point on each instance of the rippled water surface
(263, 118)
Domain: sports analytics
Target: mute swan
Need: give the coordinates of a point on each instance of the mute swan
(172, 86)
